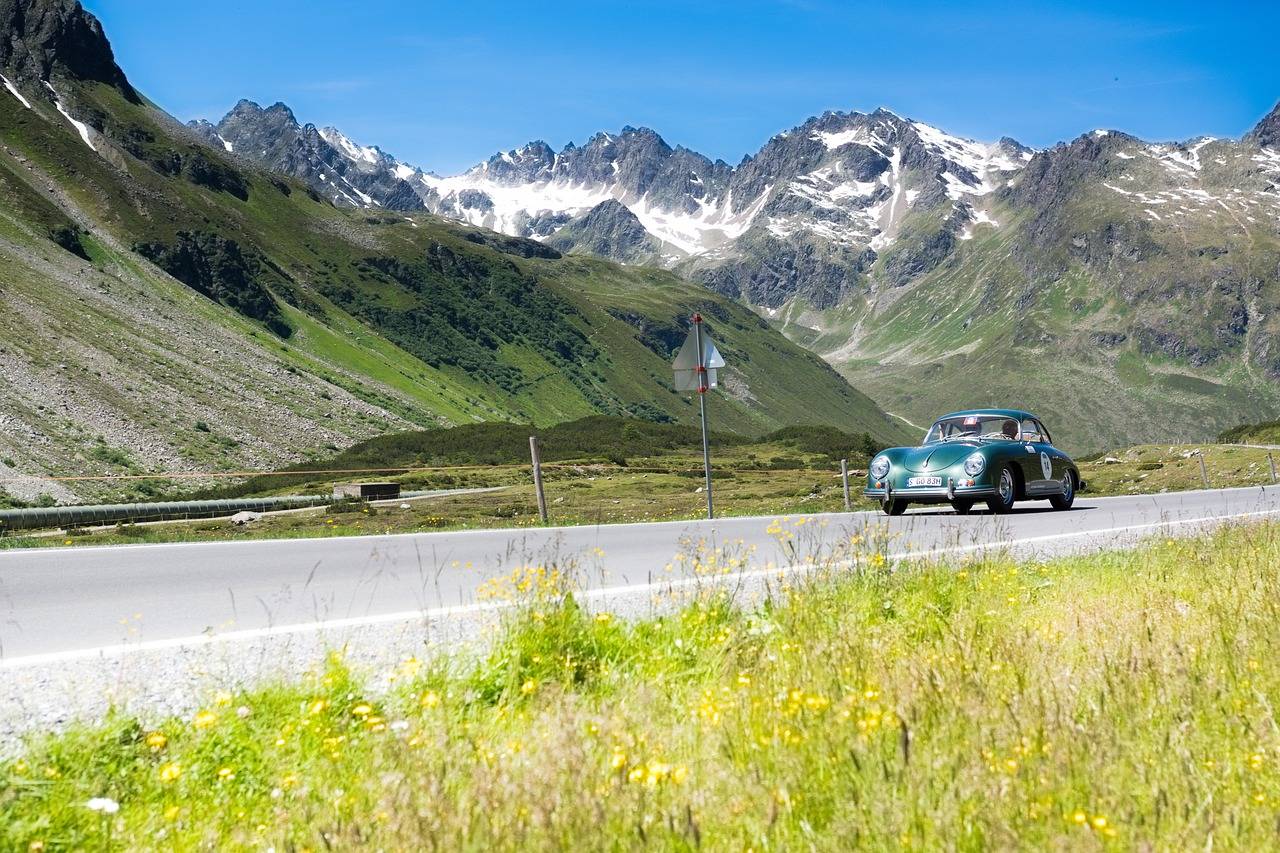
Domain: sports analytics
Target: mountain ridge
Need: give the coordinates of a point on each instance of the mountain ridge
(842, 227)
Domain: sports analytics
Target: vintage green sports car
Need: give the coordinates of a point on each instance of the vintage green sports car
(994, 455)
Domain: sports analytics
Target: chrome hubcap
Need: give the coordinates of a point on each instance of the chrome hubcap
(1067, 486)
(1006, 486)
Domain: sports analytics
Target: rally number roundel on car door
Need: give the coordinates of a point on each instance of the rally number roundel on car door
(1046, 466)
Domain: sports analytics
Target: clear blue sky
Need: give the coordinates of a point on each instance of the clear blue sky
(445, 84)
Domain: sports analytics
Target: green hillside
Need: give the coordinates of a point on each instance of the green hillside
(164, 306)
(1263, 433)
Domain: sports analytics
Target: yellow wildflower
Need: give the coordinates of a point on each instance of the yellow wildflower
(170, 772)
(157, 741)
(205, 718)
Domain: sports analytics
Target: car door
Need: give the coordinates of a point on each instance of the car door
(1050, 461)
(1038, 458)
(1022, 455)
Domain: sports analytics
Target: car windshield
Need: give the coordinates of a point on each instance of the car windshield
(974, 428)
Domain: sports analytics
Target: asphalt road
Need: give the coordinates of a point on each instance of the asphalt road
(60, 601)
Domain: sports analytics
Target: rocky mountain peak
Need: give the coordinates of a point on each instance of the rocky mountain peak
(44, 38)
(350, 175)
(246, 110)
(610, 230)
(1267, 131)
(531, 162)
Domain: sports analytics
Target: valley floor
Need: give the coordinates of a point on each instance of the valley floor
(1112, 700)
(749, 480)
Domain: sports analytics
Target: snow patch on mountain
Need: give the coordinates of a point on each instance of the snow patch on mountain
(14, 91)
(980, 217)
(889, 213)
(360, 154)
(80, 126)
(860, 135)
(509, 207)
(980, 165)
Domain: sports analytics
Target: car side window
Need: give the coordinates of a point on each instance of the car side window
(1030, 430)
(1044, 433)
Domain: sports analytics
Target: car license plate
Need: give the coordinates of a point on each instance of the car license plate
(924, 481)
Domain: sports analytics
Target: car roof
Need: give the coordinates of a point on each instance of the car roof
(1000, 413)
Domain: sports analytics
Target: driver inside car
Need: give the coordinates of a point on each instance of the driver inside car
(1010, 430)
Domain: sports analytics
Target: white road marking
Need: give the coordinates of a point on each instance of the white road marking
(120, 649)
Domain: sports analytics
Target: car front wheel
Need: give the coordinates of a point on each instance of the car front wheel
(1006, 492)
(893, 507)
(1068, 496)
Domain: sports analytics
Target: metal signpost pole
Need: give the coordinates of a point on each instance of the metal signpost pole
(702, 407)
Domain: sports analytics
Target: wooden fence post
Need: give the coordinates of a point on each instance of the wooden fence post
(536, 454)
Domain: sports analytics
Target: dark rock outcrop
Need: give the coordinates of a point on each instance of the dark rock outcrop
(1267, 131)
(218, 268)
(609, 230)
(47, 38)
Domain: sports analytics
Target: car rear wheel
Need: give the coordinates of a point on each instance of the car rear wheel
(894, 507)
(1068, 496)
(1006, 491)
(962, 506)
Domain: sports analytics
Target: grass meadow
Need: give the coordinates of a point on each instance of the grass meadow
(1113, 701)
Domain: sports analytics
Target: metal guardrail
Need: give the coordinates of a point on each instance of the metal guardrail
(35, 518)
(87, 516)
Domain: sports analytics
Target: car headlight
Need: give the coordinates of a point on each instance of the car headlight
(879, 467)
(974, 464)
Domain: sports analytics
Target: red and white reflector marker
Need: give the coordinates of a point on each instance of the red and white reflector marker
(689, 369)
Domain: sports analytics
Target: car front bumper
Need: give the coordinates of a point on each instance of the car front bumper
(930, 494)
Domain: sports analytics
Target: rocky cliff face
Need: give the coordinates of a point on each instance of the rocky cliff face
(48, 38)
(1267, 132)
